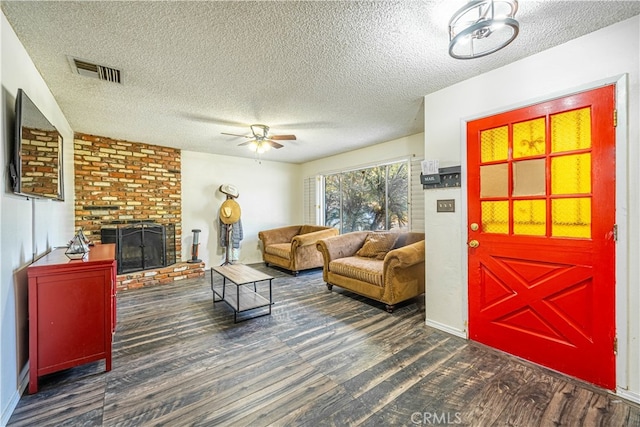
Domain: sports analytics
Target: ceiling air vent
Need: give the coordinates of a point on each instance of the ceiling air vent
(95, 71)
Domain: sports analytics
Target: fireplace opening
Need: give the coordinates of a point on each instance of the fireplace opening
(141, 245)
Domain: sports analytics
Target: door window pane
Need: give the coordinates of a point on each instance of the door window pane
(571, 130)
(494, 144)
(529, 138)
(571, 174)
(530, 217)
(495, 217)
(571, 217)
(494, 180)
(529, 178)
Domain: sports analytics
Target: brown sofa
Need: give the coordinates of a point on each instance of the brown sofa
(390, 276)
(294, 247)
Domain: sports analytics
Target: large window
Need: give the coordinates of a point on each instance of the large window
(375, 198)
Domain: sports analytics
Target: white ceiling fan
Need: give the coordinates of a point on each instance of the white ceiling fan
(261, 140)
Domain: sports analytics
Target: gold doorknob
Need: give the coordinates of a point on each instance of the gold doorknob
(474, 226)
(474, 244)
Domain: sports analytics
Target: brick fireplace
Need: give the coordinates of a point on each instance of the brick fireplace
(119, 181)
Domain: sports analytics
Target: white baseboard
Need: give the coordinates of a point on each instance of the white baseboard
(8, 410)
(629, 395)
(446, 328)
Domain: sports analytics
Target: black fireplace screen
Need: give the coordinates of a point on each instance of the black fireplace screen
(142, 245)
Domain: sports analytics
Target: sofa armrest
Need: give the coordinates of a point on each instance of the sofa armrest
(313, 237)
(278, 235)
(405, 256)
(341, 246)
(404, 273)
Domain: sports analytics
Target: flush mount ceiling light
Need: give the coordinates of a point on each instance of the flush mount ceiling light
(482, 27)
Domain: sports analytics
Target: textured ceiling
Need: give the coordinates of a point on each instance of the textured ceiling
(338, 74)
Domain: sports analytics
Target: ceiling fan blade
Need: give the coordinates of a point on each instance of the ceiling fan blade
(246, 143)
(235, 134)
(282, 137)
(273, 143)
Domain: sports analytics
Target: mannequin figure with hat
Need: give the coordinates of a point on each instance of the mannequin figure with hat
(230, 224)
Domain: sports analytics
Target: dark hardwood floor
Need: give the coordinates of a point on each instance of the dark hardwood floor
(320, 358)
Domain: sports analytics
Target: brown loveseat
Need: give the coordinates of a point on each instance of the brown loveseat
(387, 274)
(294, 247)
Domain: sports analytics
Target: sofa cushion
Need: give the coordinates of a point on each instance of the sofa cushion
(376, 245)
(366, 269)
(282, 250)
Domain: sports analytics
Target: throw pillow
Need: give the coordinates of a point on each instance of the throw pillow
(376, 245)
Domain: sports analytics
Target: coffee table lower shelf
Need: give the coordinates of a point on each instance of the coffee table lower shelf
(242, 298)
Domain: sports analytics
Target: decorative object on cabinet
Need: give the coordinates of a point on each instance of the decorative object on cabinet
(84, 237)
(78, 247)
(72, 311)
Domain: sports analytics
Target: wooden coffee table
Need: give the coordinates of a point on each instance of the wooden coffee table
(244, 298)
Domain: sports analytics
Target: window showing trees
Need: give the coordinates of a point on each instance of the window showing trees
(375, 198)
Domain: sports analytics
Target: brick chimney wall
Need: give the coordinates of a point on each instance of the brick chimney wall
(123, 181)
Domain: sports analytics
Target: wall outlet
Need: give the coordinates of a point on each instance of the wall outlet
(448, 205)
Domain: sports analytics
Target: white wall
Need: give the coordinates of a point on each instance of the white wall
(578, 64)
(270, 193)
(28, 227)
(397, 149)
(270, 196)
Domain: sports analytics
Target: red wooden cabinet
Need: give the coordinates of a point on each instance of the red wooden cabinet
(72, 305)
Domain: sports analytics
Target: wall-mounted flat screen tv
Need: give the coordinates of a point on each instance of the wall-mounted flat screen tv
(36, 169)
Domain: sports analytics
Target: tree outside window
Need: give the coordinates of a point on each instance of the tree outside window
(375, 198)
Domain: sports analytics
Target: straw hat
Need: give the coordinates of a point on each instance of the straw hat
(229, 211)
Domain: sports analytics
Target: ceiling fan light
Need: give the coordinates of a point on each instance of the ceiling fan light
(482, 27)
(253, 146)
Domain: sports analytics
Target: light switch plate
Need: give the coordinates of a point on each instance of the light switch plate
(448, 205)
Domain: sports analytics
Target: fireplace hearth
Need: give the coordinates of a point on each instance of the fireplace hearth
(141, 245)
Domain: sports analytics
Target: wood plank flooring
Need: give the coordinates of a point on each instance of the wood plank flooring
(321, 358)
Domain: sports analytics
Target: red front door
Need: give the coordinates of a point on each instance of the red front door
(541, 210)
